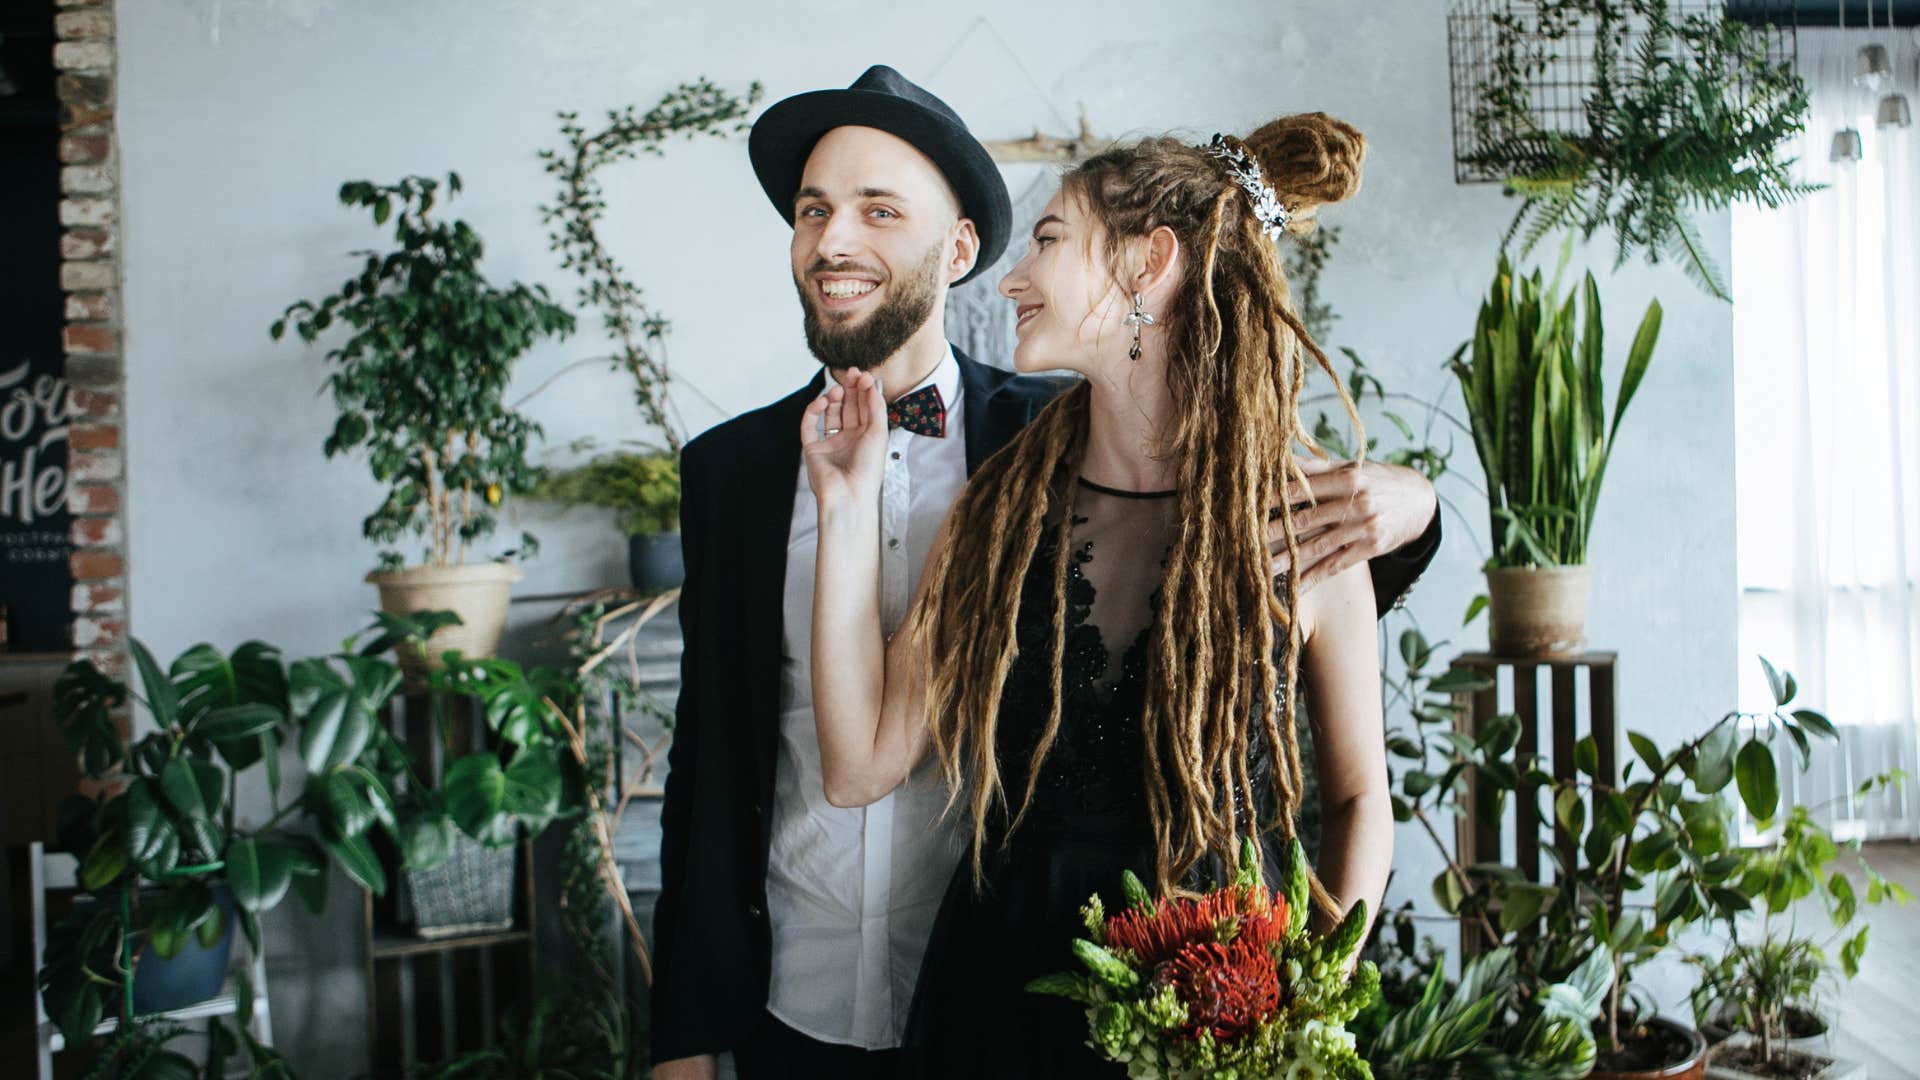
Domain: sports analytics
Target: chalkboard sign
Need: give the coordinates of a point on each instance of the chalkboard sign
(35, 583)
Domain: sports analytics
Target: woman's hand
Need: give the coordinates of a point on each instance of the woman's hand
(843, 439)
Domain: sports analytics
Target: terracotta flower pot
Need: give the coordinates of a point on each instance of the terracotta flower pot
(1691, 1066)
(477, 593)
(1537, 610)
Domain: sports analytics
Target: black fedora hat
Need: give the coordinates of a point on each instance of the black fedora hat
(883, 98)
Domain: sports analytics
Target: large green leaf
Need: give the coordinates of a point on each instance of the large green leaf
(105, 861)
(1758, 779)
(195, 790)
(357, 858)
(1712, 766)
(162, 696)
(533, 786)
(335, 718)
(153, 841)
(228, 723)
(1639, 355)
(259, 872)
(341, 804)
(425, 840)
(311, 870)
(83, 704)
(475, 790)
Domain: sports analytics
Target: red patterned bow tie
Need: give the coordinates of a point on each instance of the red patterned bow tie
(922, 412)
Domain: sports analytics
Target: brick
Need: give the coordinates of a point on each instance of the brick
(93, 436)
(91, 465)
(81, 212)
(86, 179)
(87, 276)
(86, 243)
(93, 499)
(97, 565)
(95, 631)
(91, 91)
(84, 149)
(100, 596)
(83, 56)
(85, 118)
(89, 307)
(94, 404)
(83, 24)
(90, 339)
(95, 532)
(95, 372)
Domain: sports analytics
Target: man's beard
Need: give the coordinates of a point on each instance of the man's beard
(869, 343)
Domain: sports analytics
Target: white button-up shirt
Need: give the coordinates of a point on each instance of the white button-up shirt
(851, 893)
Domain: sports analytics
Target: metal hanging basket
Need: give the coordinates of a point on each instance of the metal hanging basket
(1526, 71)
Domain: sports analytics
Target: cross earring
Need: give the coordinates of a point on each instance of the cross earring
(1136, 319)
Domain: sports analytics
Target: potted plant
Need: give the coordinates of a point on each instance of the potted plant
(1533, 380)
(1639, 857)
(420, 381)
(1765, 985)
(1674, 109)
(165, 861)
(643, 490)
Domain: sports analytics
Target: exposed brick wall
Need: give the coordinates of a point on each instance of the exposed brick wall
(90, 274)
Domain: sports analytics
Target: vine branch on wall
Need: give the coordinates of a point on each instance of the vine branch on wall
(637, 330)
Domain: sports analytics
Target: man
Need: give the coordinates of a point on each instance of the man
(789, 931)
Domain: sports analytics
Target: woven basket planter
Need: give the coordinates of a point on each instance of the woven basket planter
(470, 892)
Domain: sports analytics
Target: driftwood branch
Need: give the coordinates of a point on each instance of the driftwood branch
(1056, 149)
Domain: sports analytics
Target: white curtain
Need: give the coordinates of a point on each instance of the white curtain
(1827, 361)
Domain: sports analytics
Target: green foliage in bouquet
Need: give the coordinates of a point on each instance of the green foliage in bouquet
(1230, 984)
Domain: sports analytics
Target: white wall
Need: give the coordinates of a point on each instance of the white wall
(239, 119)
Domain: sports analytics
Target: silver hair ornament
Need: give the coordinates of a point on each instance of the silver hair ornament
(1246, 172)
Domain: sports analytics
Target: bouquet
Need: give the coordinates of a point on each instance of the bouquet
(1230, 984)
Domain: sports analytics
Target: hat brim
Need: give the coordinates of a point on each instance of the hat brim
(785, 135)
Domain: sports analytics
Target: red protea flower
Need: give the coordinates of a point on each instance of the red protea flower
(1214, 950)
(1227, 989)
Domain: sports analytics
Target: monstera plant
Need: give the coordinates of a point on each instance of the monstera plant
(165, 853)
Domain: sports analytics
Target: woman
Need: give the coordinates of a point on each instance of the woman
(1100, 654)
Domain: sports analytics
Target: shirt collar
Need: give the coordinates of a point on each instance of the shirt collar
(945, 375)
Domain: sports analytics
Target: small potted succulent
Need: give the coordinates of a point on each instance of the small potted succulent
(1532, 377)
(643, 491)
(420, 380)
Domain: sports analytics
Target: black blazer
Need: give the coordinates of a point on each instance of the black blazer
(712, 943)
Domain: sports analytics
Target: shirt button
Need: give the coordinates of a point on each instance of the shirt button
(893, 542)
(896, 455)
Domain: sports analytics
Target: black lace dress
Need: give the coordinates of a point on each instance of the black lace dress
(971, 1014)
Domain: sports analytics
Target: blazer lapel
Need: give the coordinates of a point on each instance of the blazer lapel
(991, 420)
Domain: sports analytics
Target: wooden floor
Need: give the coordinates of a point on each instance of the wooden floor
(1880, 1009)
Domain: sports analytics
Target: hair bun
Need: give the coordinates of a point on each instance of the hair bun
(1310, 159)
